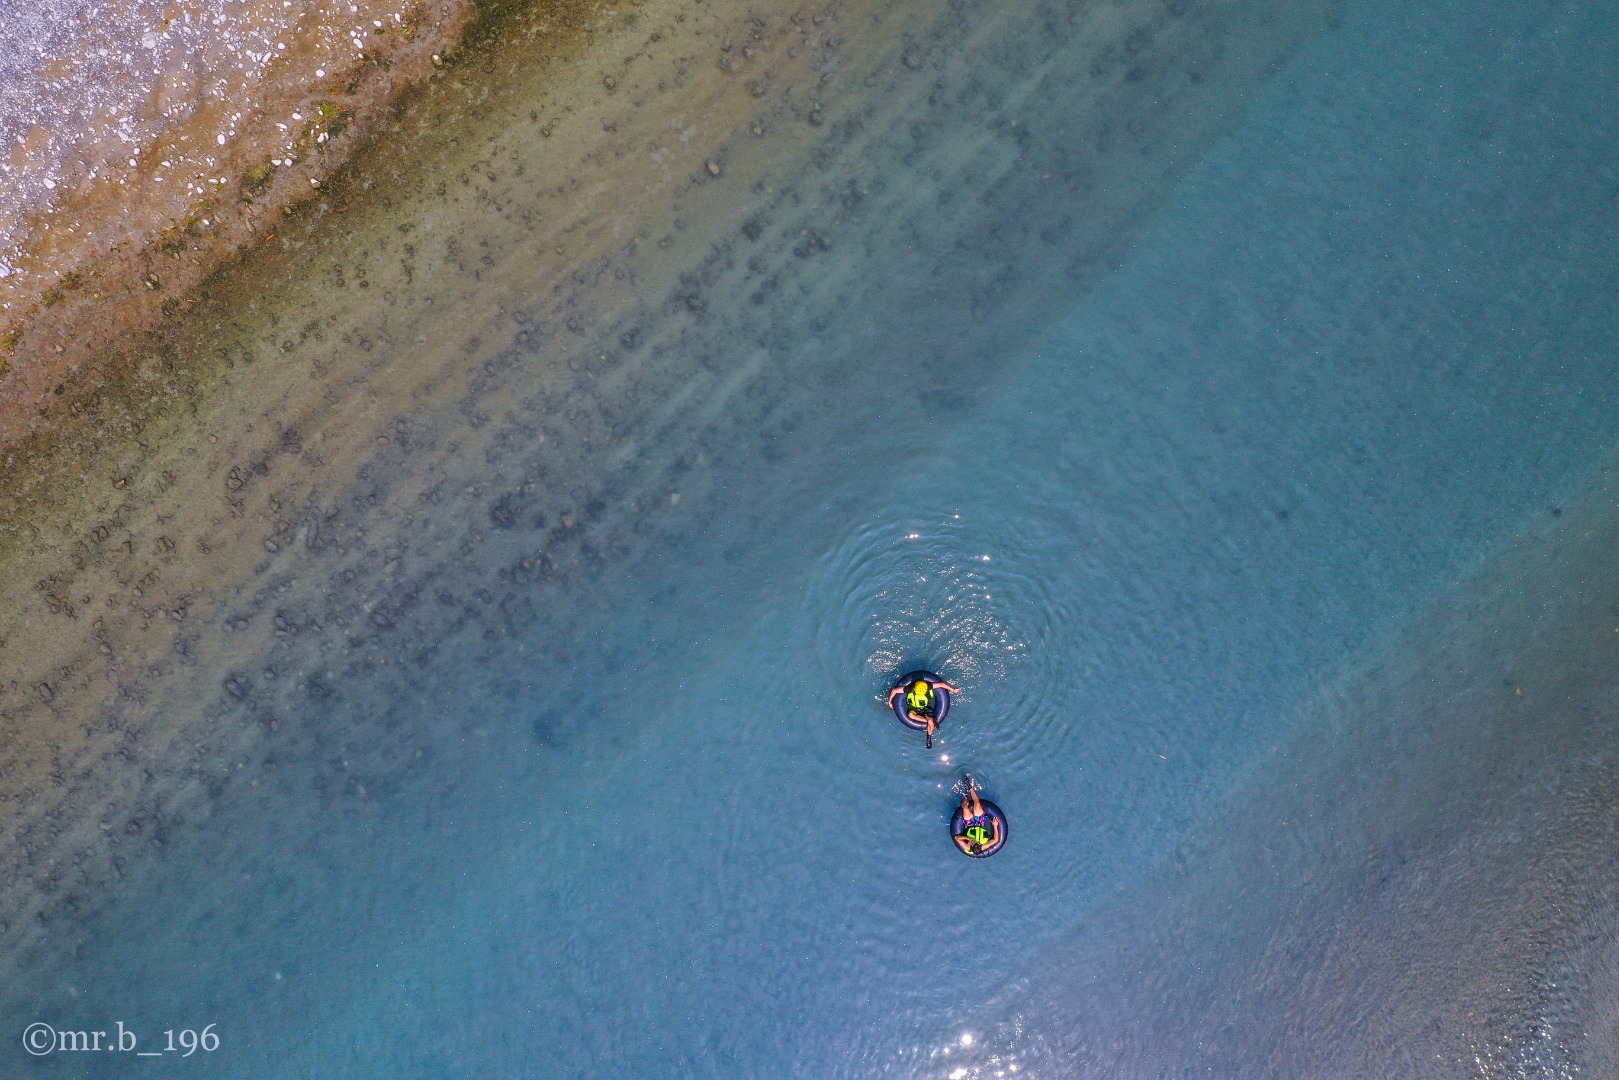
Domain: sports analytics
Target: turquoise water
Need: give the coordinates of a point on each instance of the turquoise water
(1370, 340)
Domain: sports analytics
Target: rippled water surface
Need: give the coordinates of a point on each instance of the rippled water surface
(1353, 357)
(1366, 346)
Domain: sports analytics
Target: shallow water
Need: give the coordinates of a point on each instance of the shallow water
(1173, 539)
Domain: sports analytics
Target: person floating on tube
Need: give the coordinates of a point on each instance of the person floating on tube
(920, 700)
(978, 825)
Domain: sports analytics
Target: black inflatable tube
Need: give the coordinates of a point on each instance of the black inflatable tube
(942, 694)
(991, 811)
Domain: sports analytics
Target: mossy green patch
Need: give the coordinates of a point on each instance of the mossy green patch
(257, 178)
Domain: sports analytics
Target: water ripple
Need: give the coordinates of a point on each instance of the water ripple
(973, 602)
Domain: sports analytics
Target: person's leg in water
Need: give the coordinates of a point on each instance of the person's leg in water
(933, 708)
(963, 841)
(927, 718)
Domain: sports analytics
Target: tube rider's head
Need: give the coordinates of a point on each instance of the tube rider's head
(920, 695)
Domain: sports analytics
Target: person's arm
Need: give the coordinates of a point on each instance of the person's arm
(942, 685)
(962, 843)
(894, 693)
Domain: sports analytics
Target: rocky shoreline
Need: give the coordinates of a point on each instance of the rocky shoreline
(112, 237)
